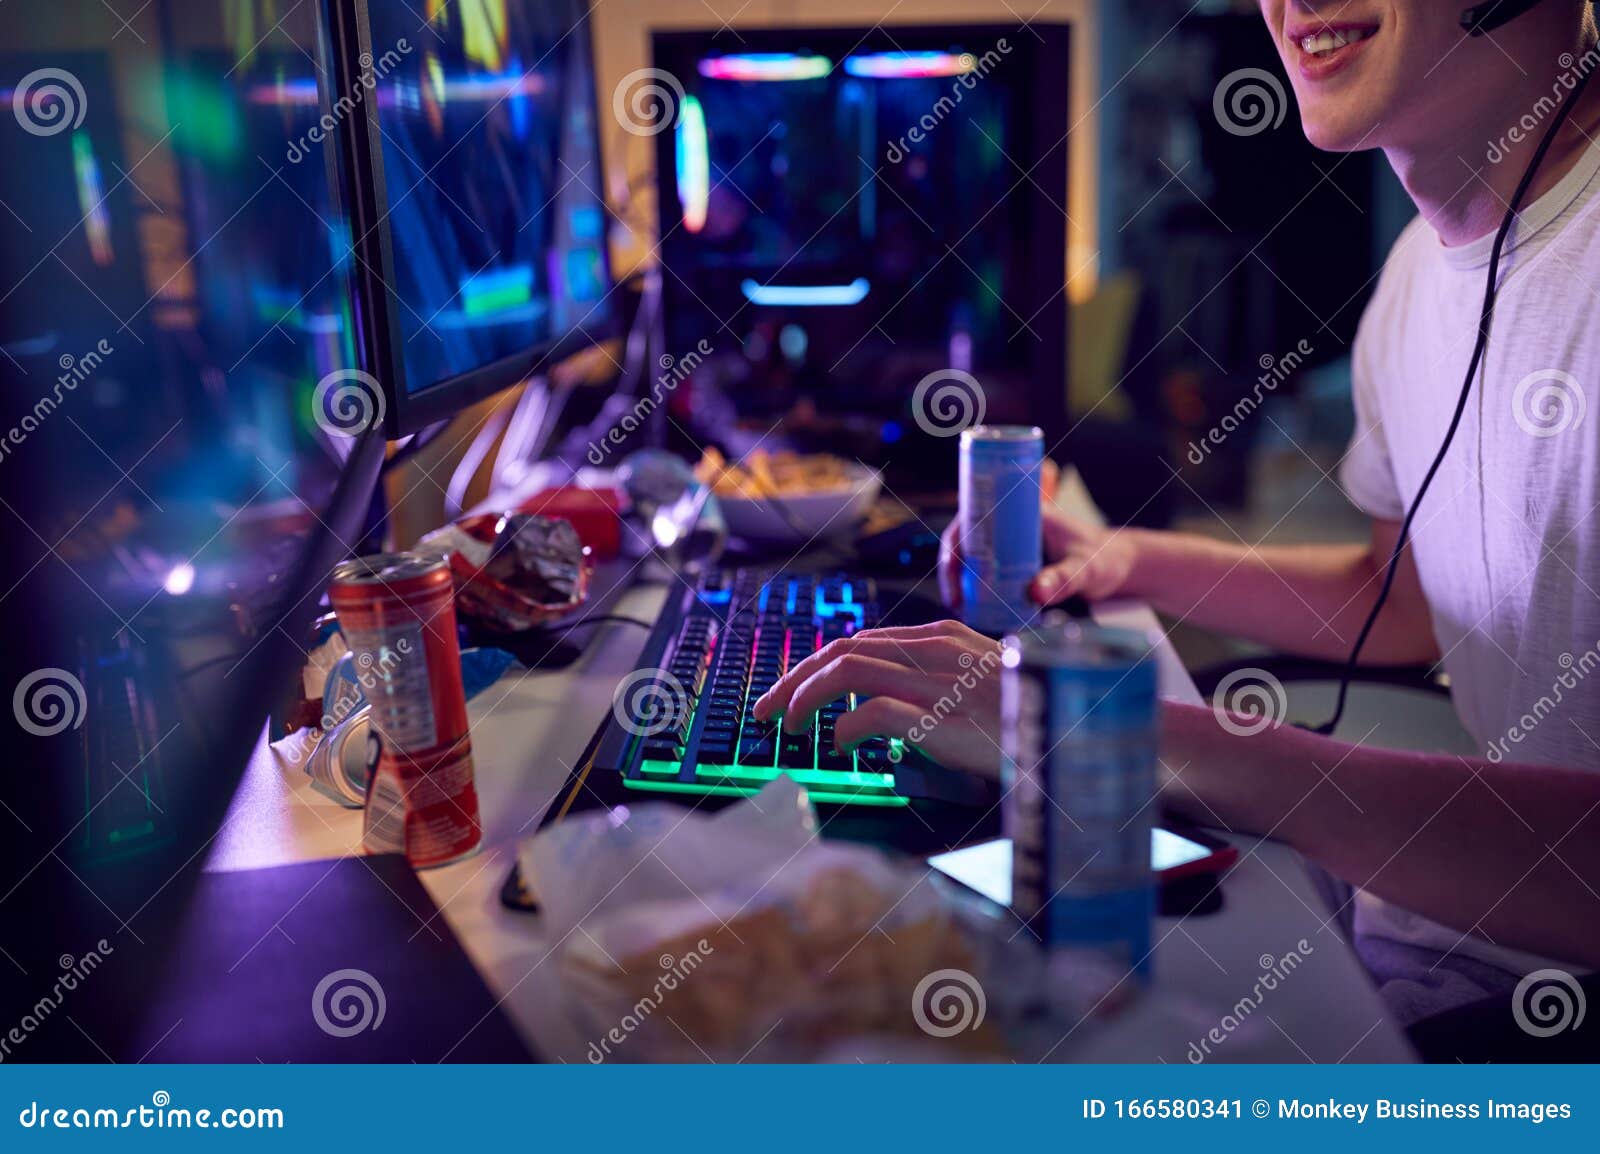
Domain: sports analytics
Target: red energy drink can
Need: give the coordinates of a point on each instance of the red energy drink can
(397, 612)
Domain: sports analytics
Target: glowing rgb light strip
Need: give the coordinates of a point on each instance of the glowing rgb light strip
(824, 794)
(761, 66)
(493, 88)
(285, 92)
(693, 164)
(839, 787)
(91, 199)
(909, 65)
(802, 295)
(481, 89)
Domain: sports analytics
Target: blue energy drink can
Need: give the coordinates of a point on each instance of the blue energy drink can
(1001, 526)
(1079, 727)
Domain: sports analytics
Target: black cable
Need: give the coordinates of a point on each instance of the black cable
(597, 619)
(534, 647)
(1485, 319)
(1481, 19)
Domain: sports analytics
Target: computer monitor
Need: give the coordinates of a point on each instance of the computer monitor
(174, 286)
(477, 200)
(845, 211)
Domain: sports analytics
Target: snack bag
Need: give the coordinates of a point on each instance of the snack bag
(743, 934)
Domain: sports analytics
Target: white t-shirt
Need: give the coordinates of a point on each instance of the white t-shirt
(1507, 541)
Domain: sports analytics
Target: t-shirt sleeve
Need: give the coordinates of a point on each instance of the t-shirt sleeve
(1367, 472)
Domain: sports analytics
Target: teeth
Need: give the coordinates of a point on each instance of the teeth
(1317, 44)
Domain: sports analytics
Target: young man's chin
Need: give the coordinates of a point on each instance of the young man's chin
(1337, 134)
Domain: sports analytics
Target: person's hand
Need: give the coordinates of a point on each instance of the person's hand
(1079, 558)
(936, 686)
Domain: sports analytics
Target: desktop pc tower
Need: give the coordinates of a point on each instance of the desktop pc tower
(846, 213)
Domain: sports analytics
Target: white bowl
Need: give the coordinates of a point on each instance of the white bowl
(796, 519)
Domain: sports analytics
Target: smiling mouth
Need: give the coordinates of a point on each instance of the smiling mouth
(1323, 49)
(1329, 41)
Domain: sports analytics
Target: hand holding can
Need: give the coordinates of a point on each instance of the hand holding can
(1001, 525)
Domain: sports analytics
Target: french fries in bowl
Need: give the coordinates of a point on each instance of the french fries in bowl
(786, 497)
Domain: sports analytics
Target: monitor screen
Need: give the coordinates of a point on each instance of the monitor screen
(822, 197)
(173, 289)
(168, 311)
(491, 183)
(845, 212)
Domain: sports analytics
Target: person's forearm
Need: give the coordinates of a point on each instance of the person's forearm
(1309, 600)
(1510, 853)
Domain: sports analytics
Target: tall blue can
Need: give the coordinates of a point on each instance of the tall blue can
(1080, 721)
(1001, 525)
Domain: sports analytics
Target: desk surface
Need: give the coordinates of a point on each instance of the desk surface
(530, 727)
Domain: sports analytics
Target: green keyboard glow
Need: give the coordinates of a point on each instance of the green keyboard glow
(697, 732)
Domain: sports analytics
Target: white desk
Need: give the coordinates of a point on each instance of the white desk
(529, 729)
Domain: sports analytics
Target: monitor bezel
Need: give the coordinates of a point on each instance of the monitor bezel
(360, 143)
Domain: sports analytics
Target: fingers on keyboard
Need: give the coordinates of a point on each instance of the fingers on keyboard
(853, 673)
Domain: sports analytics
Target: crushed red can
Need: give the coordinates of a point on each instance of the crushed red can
(397, 612)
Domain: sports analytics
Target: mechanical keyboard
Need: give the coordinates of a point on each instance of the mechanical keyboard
(682, 722)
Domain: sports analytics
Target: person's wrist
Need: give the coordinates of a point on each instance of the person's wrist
(1250, 782)
(1141, 550)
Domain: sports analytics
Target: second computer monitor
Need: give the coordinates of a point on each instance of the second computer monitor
(846, 213)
